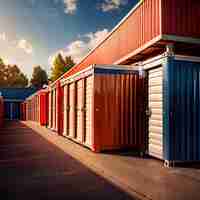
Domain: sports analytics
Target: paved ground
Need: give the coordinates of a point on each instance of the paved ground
(33, 168)
(37, 164)
(144, 178)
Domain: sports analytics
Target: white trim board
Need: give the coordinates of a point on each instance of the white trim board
(161, 59)
(89, 70)
(187, 58)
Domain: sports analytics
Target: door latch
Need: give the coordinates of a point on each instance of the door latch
(148, 112)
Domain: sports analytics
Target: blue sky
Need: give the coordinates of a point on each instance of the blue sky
(32, 32)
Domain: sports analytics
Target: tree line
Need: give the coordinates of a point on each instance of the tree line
(12, 77)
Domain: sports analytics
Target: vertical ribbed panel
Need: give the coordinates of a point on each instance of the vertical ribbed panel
(182, 111)
(180, 18)
(119, 110)
(79, 110)
(139, 28)
(66, 118)
(72, 110)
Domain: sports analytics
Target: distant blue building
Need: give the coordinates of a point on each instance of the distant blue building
(13, 97)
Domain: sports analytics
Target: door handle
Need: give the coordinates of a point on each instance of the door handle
(148, 112)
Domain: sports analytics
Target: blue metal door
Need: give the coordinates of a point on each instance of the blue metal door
(7, 110)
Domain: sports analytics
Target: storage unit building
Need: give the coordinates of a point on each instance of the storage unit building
(145, 31)
(112, 107)
(37, 107)
(43, 107)
(173, 108)
(104, 108)
(13, 97)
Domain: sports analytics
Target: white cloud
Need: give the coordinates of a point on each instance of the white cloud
(80, 48)
(16, 51)
(70, 6)
(2, 36)
(109, 5)
(25, 45)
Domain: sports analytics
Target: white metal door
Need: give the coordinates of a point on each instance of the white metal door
(155, 87)
(65, 125)
(71, 110)
(79, 110)
(54, 109)
(50, 110)
(88, 115)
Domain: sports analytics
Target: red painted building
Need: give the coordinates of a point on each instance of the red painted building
(146, 30)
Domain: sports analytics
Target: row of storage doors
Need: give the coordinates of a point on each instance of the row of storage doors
(170, 133)
(74, 120)
(77, 110)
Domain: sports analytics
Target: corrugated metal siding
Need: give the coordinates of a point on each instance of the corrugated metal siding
(50, 110)
(60, 109)
(43, 109)
(119, 111)
(182, 111)
(66, 110)
(16, 93)
(181, 17)
(155, 94)
(79, 110)
(54, 109)
(139, 28)
(23, 111)
(72, 110)
(47, 108)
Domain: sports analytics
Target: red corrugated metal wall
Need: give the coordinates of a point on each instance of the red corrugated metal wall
(43, 109)
(181, 17)
(150, 19)
(60, 108)
(141, 26)
(119, 112)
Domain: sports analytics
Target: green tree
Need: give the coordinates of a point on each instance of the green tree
(1, 62)
(39, 77)
(60, 66)
(69, 63)
(2, 73)
(11, 76)
(15, 78)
